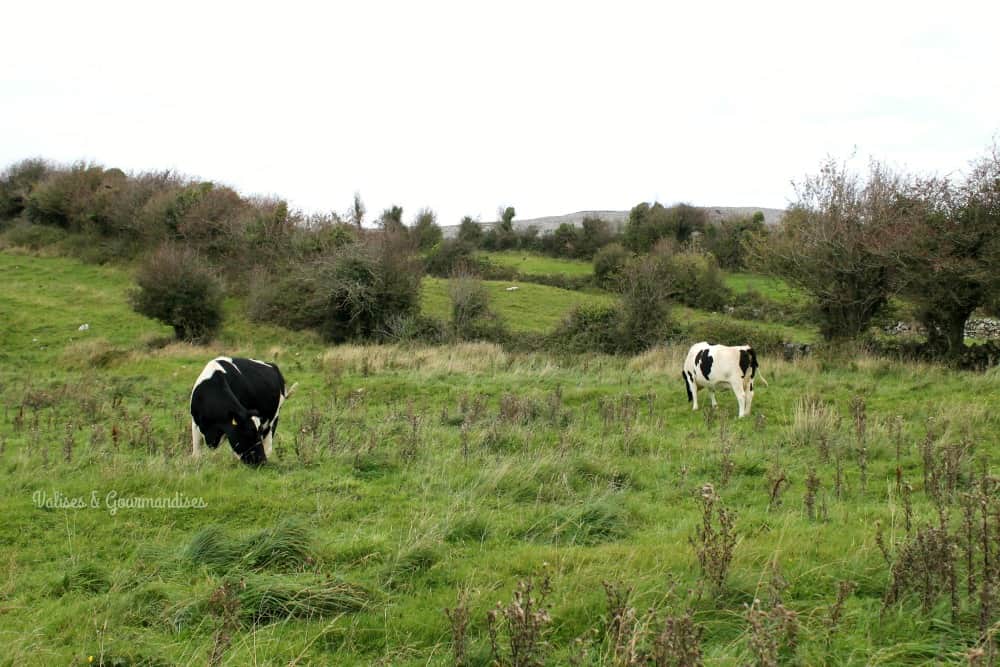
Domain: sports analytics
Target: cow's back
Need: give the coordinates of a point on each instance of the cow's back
(257, 385)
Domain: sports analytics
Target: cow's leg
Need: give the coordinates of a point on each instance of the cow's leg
(711, 392)
(748, 397)
(196, 440)
(737, 386)
(694, 395)
(268, 446)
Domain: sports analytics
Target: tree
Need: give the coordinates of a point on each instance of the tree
(648, 224)
(16, 183)
(470, 232)
(948, 250)
(391, 219)
(357, 212)
(426, 230)
(506, 215)
(832, 244)
(726, 240)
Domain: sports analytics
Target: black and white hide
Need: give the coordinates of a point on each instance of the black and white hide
(239, 399)
(709, 366)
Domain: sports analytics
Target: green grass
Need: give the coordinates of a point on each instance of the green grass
(535, 264)
(530, 308)
(773, 288)
(404, 475)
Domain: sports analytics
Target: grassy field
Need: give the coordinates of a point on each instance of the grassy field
(535, 264)
(532, 307)
(405, 477)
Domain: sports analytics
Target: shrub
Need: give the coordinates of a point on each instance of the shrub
(353, 292)
(471, 317)
(696, 280)
(645, 307)
(732, 332)
(27, 235)
(726, 240)
(589, 328)
(176, 288)
(426, 230)
(449, 256)
(71, 198)
(648, 224)
(16, 183)
(470, 232)
(609, 266)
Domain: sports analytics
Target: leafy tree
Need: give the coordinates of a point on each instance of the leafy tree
(426, 230)
(832, 245)
(648, 224)
(16, 183)
(726, 240)
(948, 250)
(358, 210)
(392, 219)
(507, 218)
(470, 232)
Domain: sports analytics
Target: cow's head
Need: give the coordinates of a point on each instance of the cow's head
(245, 437)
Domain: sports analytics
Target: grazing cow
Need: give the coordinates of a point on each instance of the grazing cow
(713, 365)
(238, 398)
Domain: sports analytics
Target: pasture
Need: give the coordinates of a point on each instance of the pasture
(411, 480)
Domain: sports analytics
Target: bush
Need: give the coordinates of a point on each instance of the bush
(416, 328)
(645, 307)
(726, 240)
(696, 280)
(589, 328)
(72, 198)
(609, 266)
(176, 288)
(16, 183)
(725, 331)
(426, 230)
(24, 234)
(353, 292)
(648, 224)
(449, 256)
(471, 317)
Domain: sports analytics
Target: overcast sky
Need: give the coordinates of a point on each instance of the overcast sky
(549, 107)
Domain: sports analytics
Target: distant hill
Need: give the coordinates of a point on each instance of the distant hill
(617, 219)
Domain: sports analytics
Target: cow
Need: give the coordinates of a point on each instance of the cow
(709, 366)
(238, 398)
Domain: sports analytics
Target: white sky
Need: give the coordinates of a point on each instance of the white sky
(551, 107)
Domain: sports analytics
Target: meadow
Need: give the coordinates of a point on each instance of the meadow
(411, 480)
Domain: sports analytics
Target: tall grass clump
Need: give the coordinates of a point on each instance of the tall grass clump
(266, 599)
(286, 547)
(177, 288)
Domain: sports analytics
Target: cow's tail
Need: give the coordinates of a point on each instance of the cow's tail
(761, 378)
(687, 385)
(291, 390)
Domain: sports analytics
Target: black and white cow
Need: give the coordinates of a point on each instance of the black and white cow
(712, 365)
(238, 398)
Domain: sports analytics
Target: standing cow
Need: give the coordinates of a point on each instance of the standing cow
(238, 398)
(712, 365)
